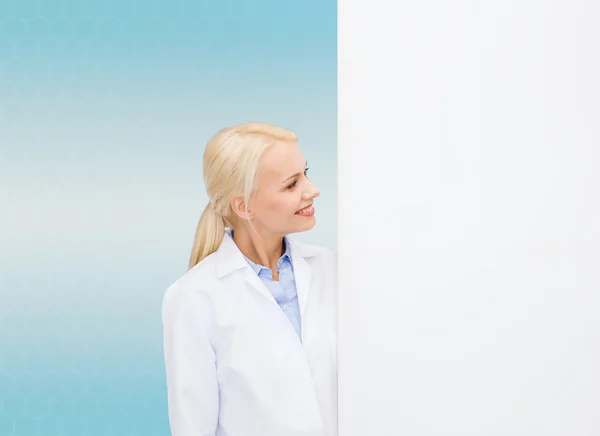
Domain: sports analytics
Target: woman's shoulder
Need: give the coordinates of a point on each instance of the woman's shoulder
(194, 281)
(187, 300)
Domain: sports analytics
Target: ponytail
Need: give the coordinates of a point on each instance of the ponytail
(209, 234)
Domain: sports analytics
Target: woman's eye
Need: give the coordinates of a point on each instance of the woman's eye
(293, 185)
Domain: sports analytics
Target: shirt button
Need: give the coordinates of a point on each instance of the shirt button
(286, 306)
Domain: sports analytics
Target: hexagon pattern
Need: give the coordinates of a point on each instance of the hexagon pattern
(95, 95)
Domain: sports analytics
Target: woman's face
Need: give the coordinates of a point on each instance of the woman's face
(284, 200)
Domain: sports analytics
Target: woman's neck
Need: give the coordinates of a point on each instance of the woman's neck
(259, 248)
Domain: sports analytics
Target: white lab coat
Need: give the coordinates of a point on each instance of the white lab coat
(234, 363)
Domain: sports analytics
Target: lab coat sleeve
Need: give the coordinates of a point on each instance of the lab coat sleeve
(192, 388)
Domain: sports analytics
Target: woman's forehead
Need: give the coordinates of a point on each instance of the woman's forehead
(283, 159)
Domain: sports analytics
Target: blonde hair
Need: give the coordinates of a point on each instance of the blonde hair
(231, 162)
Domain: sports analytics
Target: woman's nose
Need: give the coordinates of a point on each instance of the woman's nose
(313, 192)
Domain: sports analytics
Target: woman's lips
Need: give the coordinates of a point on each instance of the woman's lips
(307, 211)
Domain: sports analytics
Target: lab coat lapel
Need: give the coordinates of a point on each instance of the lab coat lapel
(254, 280)
(302, 274)
(232, 260)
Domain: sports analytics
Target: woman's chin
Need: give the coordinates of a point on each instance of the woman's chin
(309, 223)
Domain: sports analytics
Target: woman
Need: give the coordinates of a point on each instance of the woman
(250, 329)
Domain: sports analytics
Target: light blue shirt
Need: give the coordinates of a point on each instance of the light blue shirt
(284, 290)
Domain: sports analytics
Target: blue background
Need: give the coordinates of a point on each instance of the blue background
(105, 108)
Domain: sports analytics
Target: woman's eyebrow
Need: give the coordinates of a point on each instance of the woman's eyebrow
(297, 174)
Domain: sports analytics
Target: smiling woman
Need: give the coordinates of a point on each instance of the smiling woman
(250, 329)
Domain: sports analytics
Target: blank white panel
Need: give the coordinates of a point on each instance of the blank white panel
(469, 218)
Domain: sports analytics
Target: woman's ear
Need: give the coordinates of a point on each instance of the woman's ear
(238, 205)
